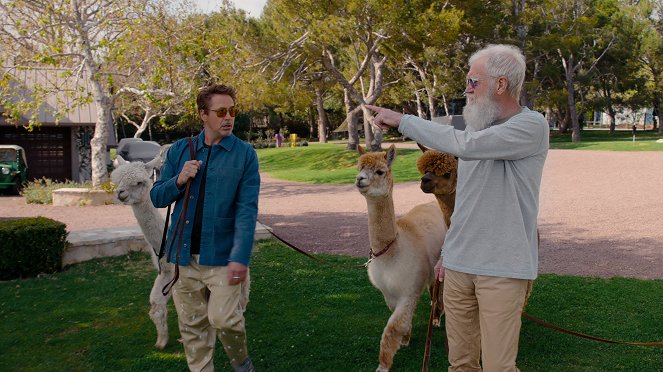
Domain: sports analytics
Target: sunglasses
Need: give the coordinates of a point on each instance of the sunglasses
(475, 82)
(223, 111)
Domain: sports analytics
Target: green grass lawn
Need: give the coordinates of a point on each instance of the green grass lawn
(602, 140)
(333, 164)
(304, 316)
(328, 163)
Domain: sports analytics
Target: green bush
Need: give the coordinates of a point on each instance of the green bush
(31, 246)
(41, 191)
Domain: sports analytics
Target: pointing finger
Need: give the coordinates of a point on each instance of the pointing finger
(373, 108)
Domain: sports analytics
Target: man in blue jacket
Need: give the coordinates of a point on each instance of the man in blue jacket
(212, 291)
(490, 253)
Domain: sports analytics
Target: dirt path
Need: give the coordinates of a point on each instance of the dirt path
(601, 214)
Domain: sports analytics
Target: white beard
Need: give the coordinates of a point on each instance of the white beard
(480, 113)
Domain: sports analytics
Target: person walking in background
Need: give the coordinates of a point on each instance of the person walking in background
(490, 254)
(212, 291)
(279, 139)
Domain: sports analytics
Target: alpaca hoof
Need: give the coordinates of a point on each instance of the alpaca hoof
(161, 343)
(382, 369)
(437, 323)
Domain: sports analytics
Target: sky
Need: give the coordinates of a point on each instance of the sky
(253, 7)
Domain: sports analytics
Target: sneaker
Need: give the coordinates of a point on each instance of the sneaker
(246, 366)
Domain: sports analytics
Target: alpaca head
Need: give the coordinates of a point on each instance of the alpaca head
(439, 172)
(375, 178)
(133, 180)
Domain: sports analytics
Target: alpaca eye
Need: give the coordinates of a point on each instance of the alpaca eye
(139, 183)
(379, 172)
(447, 175)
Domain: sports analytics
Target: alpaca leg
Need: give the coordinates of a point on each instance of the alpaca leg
(395, 333)
(158, 305)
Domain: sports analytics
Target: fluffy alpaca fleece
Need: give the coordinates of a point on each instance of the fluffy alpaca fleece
(439, 173)
(407, 268)
(133, 182)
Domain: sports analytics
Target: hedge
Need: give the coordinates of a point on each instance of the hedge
(31, 246)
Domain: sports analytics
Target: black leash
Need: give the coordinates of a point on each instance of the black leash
(179, 228)
(293, 247)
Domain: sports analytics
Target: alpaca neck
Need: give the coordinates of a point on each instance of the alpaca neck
(447, 204)
(150, 221)
(381, 222)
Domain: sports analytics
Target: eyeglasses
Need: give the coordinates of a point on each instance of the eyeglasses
(473, 83)
(222, 111)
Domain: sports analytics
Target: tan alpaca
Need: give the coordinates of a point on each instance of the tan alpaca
(414, 242)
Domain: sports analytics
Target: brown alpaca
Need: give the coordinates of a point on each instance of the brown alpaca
(405, 249)
(439, 174)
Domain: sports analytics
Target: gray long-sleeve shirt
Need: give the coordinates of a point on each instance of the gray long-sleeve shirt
(494, 226)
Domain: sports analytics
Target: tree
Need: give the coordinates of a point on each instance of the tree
(573, 35)
(157, 65)
(649, 18)
(77, 37)
(425, 45)
(339, 37)
(615, 81)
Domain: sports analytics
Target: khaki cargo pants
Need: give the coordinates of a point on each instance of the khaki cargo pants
(208, 307)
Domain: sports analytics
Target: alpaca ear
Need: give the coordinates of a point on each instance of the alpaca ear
(154, 163)
(361, 150)
(422, 147)
(119, 160)
(391, 155)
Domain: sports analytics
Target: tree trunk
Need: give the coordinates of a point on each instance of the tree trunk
(432, 105)
(446, 105)
(420, 108)
(570, 91)
(369, 139)
(564, 121)
(612, 114)
(100, 138)
(352, 118)
(144, 124)
(322, 116)
(311, 124)
(103, 104)
(657, 109)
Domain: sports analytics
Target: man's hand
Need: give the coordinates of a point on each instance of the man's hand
(385, 118)
(236, 273)
(439, 270)
(189, 170)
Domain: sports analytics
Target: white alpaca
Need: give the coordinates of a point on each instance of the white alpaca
(413, 243)
(133, 181)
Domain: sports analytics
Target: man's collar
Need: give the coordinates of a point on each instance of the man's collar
(226, 142)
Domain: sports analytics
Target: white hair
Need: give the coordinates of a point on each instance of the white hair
(504, 60)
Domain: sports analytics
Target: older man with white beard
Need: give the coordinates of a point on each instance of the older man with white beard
(490, 254)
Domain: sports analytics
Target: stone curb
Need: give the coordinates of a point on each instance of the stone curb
(86, 245)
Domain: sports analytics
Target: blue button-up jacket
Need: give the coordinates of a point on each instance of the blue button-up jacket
(230, 207)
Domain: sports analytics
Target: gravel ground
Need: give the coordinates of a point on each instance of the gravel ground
(600, 214)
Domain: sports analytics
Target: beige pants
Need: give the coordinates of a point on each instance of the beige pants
(208, 307)
(483, 318)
